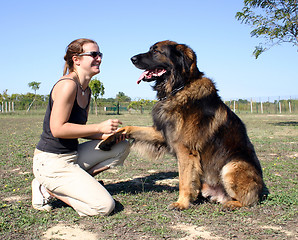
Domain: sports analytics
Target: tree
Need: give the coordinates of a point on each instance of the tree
(121, 97)
(140, 104)
(5, 95)
(97, 89)
(274, 20)
(35, 87)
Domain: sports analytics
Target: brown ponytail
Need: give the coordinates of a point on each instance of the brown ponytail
(74, 48)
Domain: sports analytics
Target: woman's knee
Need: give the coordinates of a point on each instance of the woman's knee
(102, 208)
(108, 208)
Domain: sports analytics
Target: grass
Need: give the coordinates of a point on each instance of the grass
(143, 189)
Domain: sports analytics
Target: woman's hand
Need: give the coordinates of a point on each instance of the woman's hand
(105, 129)
(109, 126)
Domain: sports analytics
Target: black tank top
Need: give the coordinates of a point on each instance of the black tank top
(47, 142)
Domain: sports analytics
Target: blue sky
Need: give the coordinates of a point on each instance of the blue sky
(34, 35)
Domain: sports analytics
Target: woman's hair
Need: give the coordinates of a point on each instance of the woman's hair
(74, 48)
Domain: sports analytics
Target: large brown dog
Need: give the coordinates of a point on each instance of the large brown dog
(214, 153)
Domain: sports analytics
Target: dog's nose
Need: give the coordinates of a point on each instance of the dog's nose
(134, 59)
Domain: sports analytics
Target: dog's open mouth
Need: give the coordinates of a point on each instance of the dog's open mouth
(149, 75)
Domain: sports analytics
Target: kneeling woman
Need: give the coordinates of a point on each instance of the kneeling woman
(62, 167)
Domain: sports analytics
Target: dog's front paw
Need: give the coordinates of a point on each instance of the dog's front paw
(107, 144)
(179, 206)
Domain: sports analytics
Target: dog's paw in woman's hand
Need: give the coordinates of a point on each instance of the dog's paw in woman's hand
(107, 143)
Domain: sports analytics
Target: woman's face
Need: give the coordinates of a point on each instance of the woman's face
(90, 64)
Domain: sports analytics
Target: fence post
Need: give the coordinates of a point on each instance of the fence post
(262, 107)
(234, 106)
(290, 109)
(251, 106)
(279, 105)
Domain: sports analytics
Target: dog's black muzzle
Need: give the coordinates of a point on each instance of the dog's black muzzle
(134, 59)
(142, 61)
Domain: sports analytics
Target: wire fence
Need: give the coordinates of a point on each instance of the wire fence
(267, 105)
(261, 105)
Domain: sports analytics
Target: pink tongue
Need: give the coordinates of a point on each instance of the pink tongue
(142, 76)
(149, 73)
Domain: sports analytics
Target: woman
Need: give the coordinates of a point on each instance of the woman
(63, 168)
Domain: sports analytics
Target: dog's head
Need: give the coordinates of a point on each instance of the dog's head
(170, 64)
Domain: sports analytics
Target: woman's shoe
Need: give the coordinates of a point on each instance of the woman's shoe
(40, 197)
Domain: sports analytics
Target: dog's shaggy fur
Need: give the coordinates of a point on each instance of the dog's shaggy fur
(215, 155)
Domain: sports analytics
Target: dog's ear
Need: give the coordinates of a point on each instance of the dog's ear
(181, 66)
(190, 60)
(179, 59)
(185, 65)
(187, 54)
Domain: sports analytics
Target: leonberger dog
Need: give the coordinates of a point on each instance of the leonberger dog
(215, 156)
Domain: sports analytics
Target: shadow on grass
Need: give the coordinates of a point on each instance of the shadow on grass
(143, 184)
(290, 123)
(146, 184)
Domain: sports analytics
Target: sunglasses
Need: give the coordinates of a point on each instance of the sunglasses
(92, 54)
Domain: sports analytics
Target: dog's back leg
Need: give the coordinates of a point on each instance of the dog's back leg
(242, 183)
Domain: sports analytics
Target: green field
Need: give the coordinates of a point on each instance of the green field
(143, 189)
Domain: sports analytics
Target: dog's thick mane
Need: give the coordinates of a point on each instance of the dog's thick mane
(196, 90)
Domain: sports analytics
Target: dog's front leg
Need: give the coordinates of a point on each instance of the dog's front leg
(189, 177)
(144, 134)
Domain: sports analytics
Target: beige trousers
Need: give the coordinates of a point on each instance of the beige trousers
(65, 175)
